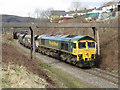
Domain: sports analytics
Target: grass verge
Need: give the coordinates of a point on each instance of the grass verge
(62, 79)
(19, 77)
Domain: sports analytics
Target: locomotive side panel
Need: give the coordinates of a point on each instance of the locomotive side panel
(53, 44)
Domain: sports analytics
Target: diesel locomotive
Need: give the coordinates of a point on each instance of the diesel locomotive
(74, 49)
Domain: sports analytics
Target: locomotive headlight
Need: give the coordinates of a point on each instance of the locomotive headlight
(92, 56)
(80, 56)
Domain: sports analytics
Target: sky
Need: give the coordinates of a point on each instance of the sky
(27, 7)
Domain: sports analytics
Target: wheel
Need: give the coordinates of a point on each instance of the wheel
(92, 64)
(80, 65)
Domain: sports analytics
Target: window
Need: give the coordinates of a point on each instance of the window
(82, 45)
(91, 45)
(43, 41)
(74, 45)
(64, 46)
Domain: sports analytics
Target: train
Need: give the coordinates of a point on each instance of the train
(77, 50)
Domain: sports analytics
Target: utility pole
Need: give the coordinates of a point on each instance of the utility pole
(32, 28)
(98, 40)
(94, 29)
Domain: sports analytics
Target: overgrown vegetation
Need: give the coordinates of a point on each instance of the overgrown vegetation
(19, 77)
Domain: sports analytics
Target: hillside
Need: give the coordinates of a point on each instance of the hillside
(13, 18)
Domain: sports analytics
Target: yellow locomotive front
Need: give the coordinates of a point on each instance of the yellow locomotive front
(86, 52)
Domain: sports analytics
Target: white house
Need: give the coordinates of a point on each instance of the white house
(110, 6)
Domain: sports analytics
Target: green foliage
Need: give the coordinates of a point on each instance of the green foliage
(75, 15)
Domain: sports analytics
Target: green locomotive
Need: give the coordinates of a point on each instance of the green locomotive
(77, 50)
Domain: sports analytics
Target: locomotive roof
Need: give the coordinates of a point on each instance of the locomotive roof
(66, 37)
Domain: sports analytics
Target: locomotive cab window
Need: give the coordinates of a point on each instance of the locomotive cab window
(91, 45)
(74, 45)
(82, 45)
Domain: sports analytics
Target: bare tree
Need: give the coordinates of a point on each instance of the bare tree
(75, 6)
(29, 14)
(38, 12)
(46, 13)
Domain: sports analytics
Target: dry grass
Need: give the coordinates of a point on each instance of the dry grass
(19, 77)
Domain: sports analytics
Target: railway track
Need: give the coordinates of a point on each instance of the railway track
(108, 76)
(99, 73)
(102, 74)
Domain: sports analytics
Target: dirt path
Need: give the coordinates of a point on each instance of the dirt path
(75, 72)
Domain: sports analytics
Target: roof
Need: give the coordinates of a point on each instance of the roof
(66, 37)
(58, 12)
(100, 8)
(116, 3)
(108, 4)
(81, 11)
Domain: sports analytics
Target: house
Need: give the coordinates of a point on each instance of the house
(107, 11)
(79, 12)
(56, 15)
(108, 7)
(111, 6)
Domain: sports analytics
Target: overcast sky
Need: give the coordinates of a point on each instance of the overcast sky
(23, 7)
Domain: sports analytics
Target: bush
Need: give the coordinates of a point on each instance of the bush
(75, 15)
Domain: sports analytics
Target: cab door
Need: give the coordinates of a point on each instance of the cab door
(74, 45)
